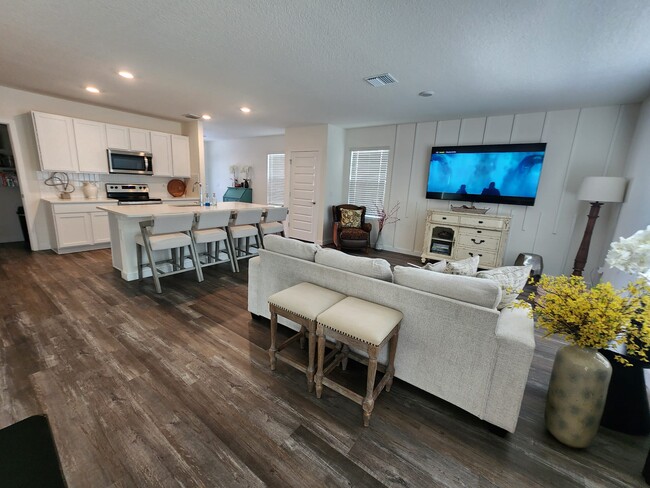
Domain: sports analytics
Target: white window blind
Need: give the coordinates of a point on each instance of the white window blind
(368, 170)
(275, 179)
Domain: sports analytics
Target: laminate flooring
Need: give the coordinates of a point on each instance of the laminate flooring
(175, 390)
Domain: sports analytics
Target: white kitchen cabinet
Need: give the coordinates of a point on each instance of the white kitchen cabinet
(79, 226)
(180, 156)
(56, 142)
(140, 140)
(117, 137)
(91, 146)
(161, 151)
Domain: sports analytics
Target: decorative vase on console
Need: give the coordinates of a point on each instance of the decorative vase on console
(588, 318)
(90, 190)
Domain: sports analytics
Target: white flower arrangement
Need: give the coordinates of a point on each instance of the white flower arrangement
(234, 169)
(632, 254)
(246, 171)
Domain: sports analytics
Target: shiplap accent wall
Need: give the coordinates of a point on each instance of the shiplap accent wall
(580, 142)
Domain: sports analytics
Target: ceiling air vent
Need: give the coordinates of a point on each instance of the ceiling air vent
(192, 116)
(381, 80)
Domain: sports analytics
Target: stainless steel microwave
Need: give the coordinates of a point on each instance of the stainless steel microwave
(129, 162)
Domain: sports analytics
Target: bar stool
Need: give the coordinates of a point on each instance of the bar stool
(244, 226)
(210, 229)
(272, 223)
(301, 304)
(167, 232)
(364, 325)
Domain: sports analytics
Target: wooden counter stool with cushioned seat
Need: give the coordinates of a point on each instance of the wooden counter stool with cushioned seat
(244, 226)
(273, 221)
(301, 303)
(363, 325)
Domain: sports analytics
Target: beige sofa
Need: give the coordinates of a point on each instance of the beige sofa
(453, 342)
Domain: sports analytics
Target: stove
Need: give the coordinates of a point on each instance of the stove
(131, 194)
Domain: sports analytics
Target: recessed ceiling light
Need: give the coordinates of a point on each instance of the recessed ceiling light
(246, 110)
(206, 117)
(92, 89)
(427, 93)
(126, 74)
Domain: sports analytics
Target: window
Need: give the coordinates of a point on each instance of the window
(368, 170)
(275, 179)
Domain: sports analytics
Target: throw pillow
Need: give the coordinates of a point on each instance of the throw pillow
(350, 218)
(465, 267)
(511, 279)
(438, 267)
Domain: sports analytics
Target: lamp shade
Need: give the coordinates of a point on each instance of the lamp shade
(602, 189)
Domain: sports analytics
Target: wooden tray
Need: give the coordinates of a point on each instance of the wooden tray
(176, 188)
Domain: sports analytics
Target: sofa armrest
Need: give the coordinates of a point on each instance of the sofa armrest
(367, 226)
(515, 336)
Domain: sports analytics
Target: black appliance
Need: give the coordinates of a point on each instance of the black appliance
(129, 162)
(129, 194)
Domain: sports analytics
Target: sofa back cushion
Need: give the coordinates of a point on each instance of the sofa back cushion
(481, 292)
(373, 268)
(290, 247)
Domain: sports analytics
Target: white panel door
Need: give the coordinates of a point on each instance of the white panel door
(56, 144)
(140, 140)
(99, 224)
(117, 137)
(91, 145)
(303, 206)
(161, 151)
(73, 229)
(180, 156)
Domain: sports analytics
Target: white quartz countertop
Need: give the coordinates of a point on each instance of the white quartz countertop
(74, 200)
(143, 211)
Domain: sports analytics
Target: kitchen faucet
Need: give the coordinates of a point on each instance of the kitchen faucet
(200, 191)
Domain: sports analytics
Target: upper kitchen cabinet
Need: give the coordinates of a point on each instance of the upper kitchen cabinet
(128, 138)
(117, 137)
(140, 140)
(180, 156)
(56, 142)
(161, 151)
(91, 146)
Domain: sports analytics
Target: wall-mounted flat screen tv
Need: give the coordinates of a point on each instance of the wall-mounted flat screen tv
(503, 173)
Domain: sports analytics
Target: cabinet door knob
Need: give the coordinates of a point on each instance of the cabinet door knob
(472, 254)
(480, 221)
(478, 242)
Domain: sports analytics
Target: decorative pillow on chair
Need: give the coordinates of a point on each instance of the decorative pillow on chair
(511, 279)
(350, 218)
(464, 267)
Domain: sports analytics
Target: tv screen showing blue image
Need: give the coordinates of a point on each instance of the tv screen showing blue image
(504, 173)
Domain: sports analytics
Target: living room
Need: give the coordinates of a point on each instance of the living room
(140, 388)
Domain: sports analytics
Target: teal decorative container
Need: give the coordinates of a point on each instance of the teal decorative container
(576, 395)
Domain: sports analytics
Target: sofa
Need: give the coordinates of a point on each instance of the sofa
(453, 341)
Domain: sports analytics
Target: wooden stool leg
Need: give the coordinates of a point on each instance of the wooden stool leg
(369, 400)
(312, 357)
(272, 349)
(321, 357)
(391, 360)
(344, 360)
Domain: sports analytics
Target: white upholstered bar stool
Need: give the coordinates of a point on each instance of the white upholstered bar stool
(210, 229)
(273, 222)
(163, 232)
(244, 226)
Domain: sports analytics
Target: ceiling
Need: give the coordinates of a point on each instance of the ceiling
(300, 62)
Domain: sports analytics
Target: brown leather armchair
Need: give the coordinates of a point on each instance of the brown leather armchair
(351, 237)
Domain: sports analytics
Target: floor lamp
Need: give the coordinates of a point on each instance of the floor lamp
(597, 190)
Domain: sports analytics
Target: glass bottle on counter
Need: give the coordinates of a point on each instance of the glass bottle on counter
(213, 200)
(207, 199)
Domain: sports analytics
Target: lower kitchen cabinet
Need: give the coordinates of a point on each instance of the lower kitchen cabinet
(78, 227)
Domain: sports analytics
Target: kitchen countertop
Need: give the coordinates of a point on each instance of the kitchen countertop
(74, 200)
(144, 211)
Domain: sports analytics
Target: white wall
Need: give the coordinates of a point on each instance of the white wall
(15, 107)
(219, 155)
(581, 142)
(635, 211)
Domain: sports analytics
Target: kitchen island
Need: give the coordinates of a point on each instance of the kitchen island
(124, 224)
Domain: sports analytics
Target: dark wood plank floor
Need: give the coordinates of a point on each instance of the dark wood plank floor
(175, 390)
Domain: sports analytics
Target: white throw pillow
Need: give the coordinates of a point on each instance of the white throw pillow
(290, 247)
(464, 267)
(511, 279)
(438, 267)
(374, 268)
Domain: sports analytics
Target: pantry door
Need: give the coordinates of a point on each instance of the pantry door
(303, 195)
